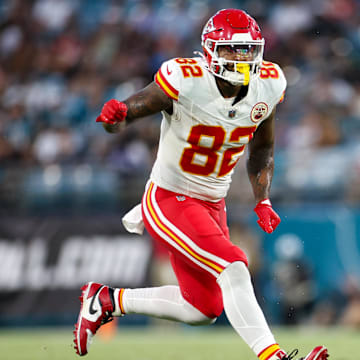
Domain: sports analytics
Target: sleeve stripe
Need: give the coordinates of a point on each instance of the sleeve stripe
(282, 97)
(165, 86)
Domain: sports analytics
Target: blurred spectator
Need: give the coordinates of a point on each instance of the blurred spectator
(351, 313)
(314, 130)
(292, 276)
(340, 306)
(287, 18)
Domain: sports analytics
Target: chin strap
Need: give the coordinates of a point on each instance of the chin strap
(232, 77)
(235, 78)
(239, 77)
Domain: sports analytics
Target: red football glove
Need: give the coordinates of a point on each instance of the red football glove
(113, 111)
(268, 218)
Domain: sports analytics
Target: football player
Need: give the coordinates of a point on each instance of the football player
(212, 106)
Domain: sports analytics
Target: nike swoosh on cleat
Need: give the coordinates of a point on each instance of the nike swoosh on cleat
(92, 311)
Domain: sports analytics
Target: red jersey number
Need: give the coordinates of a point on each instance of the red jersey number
(189, 67)
(189, 154)
(228, 162)
(268, 70)
(208, 155)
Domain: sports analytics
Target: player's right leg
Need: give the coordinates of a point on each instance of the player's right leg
(194, 233)
(318, 353)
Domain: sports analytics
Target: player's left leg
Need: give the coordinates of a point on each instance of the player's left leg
(196, 233)
(164, 302)
(100, 303)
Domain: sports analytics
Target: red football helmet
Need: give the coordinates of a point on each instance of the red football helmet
(233, 46)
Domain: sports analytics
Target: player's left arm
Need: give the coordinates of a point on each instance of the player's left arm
(260, 162)
(260, 167)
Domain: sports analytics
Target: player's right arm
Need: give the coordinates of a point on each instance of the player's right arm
(148, 101)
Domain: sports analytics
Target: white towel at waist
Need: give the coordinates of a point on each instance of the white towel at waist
(133, 221)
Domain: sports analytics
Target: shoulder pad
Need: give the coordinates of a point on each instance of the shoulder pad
(176, 74)
(275, 79)
(168, 79)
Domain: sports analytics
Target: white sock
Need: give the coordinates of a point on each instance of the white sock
(242, 308)
(165, 302)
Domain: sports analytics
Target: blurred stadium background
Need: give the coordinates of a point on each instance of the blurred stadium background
(65, 183)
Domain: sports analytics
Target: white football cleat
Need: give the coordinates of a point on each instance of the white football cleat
(97, 306)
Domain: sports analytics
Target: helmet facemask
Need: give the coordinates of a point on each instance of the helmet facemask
(249, 56)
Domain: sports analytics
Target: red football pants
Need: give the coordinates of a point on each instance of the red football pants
(197, 237)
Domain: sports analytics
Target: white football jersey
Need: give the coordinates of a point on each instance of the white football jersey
(201, 142)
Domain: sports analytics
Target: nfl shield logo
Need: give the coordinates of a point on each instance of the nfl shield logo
(180, 198)
(232, 113)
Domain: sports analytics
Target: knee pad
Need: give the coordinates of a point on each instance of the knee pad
(235, 273)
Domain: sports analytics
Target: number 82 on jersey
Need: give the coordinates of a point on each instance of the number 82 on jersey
(212, 153)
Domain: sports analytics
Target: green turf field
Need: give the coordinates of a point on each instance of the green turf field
(167, 343)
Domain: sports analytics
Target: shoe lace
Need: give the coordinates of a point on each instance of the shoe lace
(291, 355)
